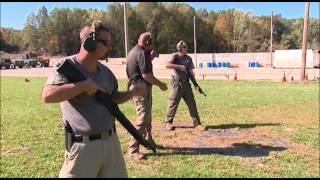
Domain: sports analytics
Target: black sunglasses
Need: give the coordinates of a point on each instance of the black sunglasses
(104, 42)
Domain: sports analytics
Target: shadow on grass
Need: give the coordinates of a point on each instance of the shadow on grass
(240, 126)
(237, 149)
(227, 126)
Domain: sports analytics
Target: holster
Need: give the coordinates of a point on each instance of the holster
(68, 136)
(134, 79)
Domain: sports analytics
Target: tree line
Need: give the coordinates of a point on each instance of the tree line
(223, 31)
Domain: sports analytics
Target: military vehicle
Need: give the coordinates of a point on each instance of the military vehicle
(6, 64)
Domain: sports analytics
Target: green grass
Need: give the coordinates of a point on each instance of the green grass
(32, 136)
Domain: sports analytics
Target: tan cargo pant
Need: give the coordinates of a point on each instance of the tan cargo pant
(143, 105)
(98, 158)
(181, 90)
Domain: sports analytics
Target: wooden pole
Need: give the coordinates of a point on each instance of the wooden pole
(125, 28)
(304, 42)
(195, 40)
(271, 39)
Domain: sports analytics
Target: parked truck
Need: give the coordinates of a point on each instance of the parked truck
(32, 59)
(6, 64)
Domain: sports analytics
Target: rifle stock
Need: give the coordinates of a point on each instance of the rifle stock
(75, 75)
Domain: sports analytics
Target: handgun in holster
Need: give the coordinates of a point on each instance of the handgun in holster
(68, 134)
(135, 78)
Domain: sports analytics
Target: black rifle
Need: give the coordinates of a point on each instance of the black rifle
(75, 75)
(194, 82)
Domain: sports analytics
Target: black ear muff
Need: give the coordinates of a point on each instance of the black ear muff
(179, 45)
(148, 40)
(90, 42)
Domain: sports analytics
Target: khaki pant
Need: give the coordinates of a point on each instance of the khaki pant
(143, 125)
(98, 158)
(181, 90)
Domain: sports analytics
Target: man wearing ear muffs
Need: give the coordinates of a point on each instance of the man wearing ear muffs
(180, 62)
(139, 70)
(92, 147)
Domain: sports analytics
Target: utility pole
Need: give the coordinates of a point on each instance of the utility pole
(304, 41)
(249, 45)
(125, 27)
(195, 40)
(271, 39)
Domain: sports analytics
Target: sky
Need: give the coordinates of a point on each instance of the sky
(14, 14)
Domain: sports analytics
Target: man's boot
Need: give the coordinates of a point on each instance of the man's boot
(136, 156)
(169, 126)
(197, 125)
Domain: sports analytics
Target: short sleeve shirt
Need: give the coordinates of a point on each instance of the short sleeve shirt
(184, 60)
(138, 62)
(84, 113)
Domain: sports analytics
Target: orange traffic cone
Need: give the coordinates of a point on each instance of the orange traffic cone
(284, 79)
(235, 78)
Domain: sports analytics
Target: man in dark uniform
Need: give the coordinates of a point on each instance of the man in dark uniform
(181, 63)
(139, 69)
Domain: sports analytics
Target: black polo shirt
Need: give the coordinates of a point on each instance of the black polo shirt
(138, 62)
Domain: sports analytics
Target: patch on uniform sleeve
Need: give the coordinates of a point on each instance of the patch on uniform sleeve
(60, 79)
(56, 78)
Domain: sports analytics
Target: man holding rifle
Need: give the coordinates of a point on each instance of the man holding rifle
(182, 67)
(92, 145)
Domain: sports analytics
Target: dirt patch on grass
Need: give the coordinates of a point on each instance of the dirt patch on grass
(233, 141)
(245, 141)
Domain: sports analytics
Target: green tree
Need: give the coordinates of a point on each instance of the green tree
(224, 30)
(59, 29)
(43, 27)
(314, 33)
(115, 22)
(241, 31)
(135, 26)
(229, 30)
(30, 34)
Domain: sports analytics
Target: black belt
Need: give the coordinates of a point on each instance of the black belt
(180, 80)
(80, 138)
(135, 78)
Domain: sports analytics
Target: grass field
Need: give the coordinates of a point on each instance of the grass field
(256, 129)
